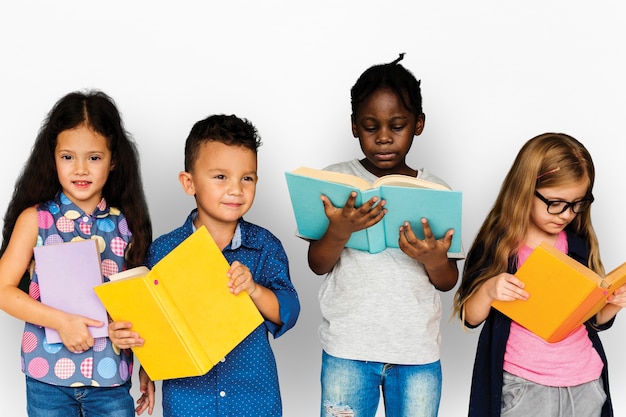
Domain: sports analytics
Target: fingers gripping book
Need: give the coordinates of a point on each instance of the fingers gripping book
(182, 308)
(563, 293)
(407, 199)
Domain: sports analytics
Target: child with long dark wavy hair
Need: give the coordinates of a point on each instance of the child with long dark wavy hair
(81, 181)
(545, 197)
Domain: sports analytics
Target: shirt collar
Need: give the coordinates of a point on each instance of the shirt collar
(71, 210)
(243, 234)
(235, 243)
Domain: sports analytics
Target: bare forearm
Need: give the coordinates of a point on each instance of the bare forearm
(607, 313)
(20, 305)
(266, 302)
(478, 306)
(324, 253)
(444, 275)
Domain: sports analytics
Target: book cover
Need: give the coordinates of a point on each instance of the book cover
(407, 199)
(182, 308)
(563, 293)
(67, 273)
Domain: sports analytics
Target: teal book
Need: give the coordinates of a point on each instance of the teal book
(407, 199)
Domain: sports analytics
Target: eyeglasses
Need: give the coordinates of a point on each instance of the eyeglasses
(559, 206)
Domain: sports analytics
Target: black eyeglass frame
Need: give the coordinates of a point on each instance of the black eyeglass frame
(577, 206)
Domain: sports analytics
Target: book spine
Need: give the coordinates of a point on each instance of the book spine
(186, 336)
(587, 309)
(375, 234)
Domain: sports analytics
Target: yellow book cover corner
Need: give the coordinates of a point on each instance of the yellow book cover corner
(183, 309)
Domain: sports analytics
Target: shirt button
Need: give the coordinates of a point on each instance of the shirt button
(85, 219)
(222, 393)
(223, 360)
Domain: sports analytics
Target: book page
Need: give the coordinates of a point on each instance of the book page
(130, 273)
(336, 177)
(616, 278)
(406, 181)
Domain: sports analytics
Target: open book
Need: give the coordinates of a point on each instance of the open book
(182, 308)
(407, 199)
(563, 293)
(67, 273)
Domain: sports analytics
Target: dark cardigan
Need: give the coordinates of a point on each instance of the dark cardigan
(486, 391)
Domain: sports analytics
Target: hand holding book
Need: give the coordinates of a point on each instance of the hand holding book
(401, 198)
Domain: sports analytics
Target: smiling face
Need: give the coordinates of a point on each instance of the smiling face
(83, 162)
(223, 180)
(385, 129)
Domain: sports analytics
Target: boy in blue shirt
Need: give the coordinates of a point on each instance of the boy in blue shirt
(221, 174)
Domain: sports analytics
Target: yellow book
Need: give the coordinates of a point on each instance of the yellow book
(182, 308)
(563, 293)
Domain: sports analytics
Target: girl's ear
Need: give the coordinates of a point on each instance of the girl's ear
(186, 180)
(354, 131)
(419, 124)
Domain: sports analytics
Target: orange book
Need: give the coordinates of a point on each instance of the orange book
(563, 293)
(182, 308)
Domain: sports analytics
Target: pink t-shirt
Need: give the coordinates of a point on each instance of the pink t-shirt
(572, 361)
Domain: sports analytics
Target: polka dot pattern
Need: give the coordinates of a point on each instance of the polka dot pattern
(86, 367)
(29, 342)
(33, 290)
(107, 368)
(123, 227)
(38, 368)
(64, 368)
(53, 240)
(109, 268)
(45, 219)
(118, 246)
(52, 347)
(65, 225)
(85, 228)
(103, 365)
(245, 383)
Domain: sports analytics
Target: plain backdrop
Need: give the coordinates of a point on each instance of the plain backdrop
(494, 74)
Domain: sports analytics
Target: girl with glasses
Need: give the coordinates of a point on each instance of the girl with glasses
(546, 196)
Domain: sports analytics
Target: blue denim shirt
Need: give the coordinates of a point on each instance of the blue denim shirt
(245, 383)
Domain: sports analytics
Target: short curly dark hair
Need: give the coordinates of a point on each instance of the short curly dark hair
(228, 129)
(392, 76)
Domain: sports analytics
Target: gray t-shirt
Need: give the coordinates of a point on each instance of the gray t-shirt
(379, 307)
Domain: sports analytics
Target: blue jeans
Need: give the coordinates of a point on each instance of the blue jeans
(45, 400)
(352, 388)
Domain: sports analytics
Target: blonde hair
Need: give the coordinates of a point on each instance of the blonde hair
(547, 160)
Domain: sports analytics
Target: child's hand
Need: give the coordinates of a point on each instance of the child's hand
(432, 253)
(240, 279)
(618, 297)
(146, 387)
(348, 219)
(121, 335)
(428, 251)
(74, 333)
(505, 287)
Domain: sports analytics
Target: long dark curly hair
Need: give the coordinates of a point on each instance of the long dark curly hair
(38, 182)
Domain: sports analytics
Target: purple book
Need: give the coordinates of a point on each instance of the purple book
(67, 273)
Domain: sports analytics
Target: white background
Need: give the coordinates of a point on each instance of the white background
(494, 74)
